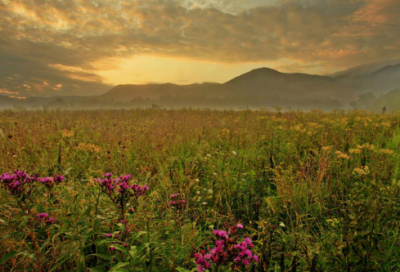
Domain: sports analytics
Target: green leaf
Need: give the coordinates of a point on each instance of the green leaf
(66, 257)
(8, 256)
(118, 267)
(96, 269)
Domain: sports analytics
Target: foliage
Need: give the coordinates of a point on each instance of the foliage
(313, 191)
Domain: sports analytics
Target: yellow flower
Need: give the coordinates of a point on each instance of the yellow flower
(66, 133)
(342, 155)
(355, 151)
(387, 151)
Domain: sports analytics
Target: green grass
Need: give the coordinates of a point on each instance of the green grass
(315, 191)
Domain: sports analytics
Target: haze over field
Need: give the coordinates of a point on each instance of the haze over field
(298, 53)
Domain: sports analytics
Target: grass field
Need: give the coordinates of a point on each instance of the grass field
(313, 191)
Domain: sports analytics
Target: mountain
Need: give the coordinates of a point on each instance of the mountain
(258, 82)
(130, 91)
(263, 87)
(365, 69)
(266, 81)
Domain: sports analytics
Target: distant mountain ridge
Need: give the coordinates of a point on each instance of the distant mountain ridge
(269, 82)
(257, 87)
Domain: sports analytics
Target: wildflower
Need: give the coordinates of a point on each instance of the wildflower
(42, 216)
(111, 248)
(234, 153)
(227, 251)
(108, 235)
(51, 220)
(179, 204)
(220, 233)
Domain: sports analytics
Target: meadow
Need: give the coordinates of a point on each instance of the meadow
(197, 190)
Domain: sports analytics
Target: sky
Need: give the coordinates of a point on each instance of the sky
(85, 47)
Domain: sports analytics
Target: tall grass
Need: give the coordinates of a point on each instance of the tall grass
(314, 191)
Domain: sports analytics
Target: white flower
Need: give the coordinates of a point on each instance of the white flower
(208, 155)
(204, 203)
(215, 174)
(282, 225)
(197, 180)
(198, 192)
(234, 153)
(210, 191)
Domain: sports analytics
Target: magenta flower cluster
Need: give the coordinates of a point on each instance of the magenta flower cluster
(18, 183)
(120, 191)
(51, 181)
(227, 251)
(120, 185)
(42, 216)
(175, 202)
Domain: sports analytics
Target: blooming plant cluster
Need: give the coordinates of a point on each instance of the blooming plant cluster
(120, 191)
(16, 183)
(227, 251)
(21, 184)
(177, 203)
(45, 216)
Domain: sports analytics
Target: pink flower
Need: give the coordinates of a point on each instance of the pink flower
(42, 216)
(246, 262)
(240, 226)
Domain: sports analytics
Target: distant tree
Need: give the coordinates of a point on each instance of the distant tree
(59, 103)
(18, 108)
(365, 101)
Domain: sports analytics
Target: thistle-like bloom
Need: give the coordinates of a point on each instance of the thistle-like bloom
(179, 204)
(227, 251)
(49, 182)
(42, 216)
(16, 183)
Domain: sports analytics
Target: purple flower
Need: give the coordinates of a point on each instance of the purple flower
(220, 233)
(51, 220)
(109, 235)
(111, 248)
(240, 226)
(42, 216)
(107, 175)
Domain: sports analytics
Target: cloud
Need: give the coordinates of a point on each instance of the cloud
(69, 42)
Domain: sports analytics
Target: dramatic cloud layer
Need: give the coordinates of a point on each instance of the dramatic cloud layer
(61, 47)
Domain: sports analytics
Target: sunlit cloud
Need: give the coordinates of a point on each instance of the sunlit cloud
(88, 45)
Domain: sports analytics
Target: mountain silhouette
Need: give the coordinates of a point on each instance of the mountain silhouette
(259, 87)
(257, 82)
